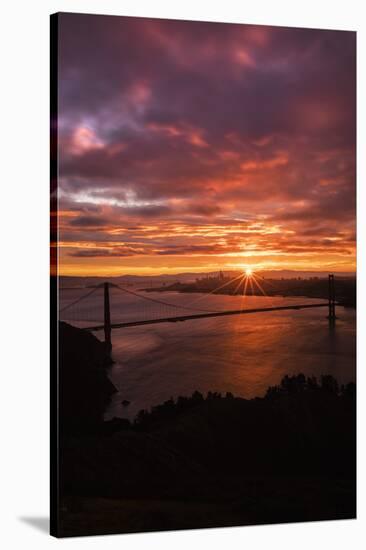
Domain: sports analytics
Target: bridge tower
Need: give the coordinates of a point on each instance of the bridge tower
(331, 299)
(107, 319)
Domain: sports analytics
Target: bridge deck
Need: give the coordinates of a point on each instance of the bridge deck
(206, 316)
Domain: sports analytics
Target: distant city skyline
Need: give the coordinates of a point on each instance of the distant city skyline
(190, 146)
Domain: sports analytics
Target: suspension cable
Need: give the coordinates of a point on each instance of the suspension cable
(79, 299)
(161, 302)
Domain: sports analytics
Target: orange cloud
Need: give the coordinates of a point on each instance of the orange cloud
(279, 160)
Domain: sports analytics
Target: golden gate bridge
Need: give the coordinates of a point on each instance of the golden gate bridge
(166, 312)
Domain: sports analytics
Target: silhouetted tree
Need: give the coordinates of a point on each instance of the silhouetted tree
(329, 384)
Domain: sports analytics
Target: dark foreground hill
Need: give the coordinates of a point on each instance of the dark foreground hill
(215, 461)
(83, 372)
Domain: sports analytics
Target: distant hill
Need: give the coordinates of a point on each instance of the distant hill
(290, 274)
(155, 280)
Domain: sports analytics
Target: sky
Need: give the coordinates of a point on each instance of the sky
(192, 146)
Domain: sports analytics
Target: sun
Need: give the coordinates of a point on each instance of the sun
(248, 272)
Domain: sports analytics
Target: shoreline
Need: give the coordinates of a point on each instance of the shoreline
(307, 288)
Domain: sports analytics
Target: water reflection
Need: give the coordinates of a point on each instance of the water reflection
(241, 354)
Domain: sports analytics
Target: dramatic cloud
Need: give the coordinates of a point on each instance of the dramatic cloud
(189, 145)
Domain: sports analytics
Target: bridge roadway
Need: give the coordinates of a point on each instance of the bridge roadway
(205, 316)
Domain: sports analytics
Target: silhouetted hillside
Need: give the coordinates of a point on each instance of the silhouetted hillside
(84, 387)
